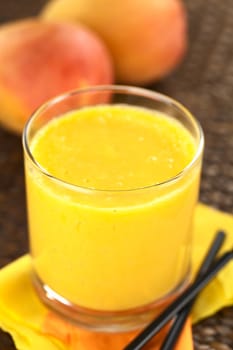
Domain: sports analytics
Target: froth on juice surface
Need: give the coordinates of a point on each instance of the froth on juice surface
(108, 235)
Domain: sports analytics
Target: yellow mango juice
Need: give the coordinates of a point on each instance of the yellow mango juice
(108, 229)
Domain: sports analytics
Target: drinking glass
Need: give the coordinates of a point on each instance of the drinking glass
(110, 259)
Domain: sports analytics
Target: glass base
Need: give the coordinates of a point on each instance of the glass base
(104, 321)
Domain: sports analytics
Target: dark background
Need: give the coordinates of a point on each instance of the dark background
(204, 83)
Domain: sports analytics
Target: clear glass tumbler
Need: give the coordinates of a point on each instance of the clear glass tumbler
(110, 259)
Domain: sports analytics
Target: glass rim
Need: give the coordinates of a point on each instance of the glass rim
(132, 90)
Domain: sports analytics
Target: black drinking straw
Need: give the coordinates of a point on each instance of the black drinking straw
(177, 326)
(155, 326)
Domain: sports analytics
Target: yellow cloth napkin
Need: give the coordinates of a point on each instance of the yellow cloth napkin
(33, 326)
(219, 292)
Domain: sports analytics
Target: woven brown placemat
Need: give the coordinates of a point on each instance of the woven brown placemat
(204, 83)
